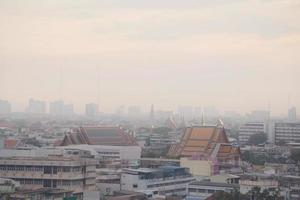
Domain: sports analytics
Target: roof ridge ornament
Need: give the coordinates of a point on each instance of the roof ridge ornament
(220, 123)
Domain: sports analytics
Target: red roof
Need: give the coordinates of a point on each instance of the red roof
(114, 136)
(10, 143)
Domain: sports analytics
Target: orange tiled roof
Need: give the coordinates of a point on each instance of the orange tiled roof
(207, 140)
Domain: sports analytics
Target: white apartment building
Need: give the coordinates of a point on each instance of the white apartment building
(167, 180)
(251, 128)
(287, 132)
(69, 170)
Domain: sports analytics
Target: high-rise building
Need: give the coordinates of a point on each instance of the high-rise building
(251, 128)
(56, 108)
(68, 109)
(259, 115)
(36, 107)
(292, 114)
(5, 107)
(287, 132)
(152, 112)
(60, 108)
(91, 109)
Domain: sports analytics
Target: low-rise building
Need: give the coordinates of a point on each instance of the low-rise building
(108, 181)
(71, 170)
(200, 167)
(167, 180)
(203, 189)
(263, 181)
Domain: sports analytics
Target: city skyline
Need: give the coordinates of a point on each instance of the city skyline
(236, 55)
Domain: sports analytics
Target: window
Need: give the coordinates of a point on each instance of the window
(47, 170)
(66, 169)
(134, 185)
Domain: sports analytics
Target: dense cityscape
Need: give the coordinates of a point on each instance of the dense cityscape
(191, 153)
(149, 99)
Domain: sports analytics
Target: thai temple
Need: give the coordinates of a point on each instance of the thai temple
(110, 136)
(208, 141)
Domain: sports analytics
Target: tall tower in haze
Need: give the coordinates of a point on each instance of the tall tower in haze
(292, 114)
(152, 112)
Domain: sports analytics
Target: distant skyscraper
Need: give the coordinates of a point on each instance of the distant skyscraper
(5, 107)
(36, 107)
(134, 111)
(91, 109)
(60, 108)
(56, 108)
(68, 109)
(152, 112)
(259, 115)
(292, 114)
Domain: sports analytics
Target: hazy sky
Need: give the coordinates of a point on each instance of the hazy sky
(234, 54)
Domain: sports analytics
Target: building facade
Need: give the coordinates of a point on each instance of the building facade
(70, 171)
(249, 129)
(287, 132)
(167, 180)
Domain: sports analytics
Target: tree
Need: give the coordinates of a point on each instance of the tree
(295, 155)
(257, 139)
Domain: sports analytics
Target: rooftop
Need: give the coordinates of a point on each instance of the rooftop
(214, 184)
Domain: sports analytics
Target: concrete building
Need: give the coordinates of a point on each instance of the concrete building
(204, 189)
(103, 152)
(91, 110)
(292, 114)
(56, 108)
(251, 128)
(263, 181)
(59, 108)
(287, 132)
(36, 107)
(41, 194)
(259, 115)
(5, 107)
(108, 181)
(70, 170)
(68, 109)
(166, 180)
(200, 167)
(290, 187)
